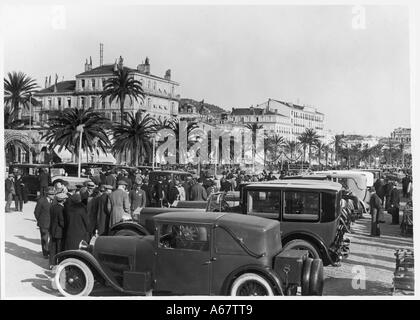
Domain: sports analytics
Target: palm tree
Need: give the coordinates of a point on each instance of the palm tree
(308, 138)
(18, 87)
(338, 142)
(10, 119)
(135, 134)
(121, 87)
(320, 147)
(292, 146)
(254, 127)
(274, 147)
(174, 125)
(63, 130)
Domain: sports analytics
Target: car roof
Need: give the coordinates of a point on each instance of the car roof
(171, 171)
(219, 218)
(308, 184)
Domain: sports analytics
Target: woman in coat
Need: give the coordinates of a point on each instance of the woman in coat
(76, 223)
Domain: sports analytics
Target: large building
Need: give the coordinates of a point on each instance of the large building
(402, 135)
(161, 99)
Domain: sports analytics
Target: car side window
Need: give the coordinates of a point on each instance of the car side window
(264, 203)
(184, 237)
(301, 205)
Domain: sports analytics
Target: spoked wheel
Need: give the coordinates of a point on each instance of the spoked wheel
(251, 284)
(74, 278)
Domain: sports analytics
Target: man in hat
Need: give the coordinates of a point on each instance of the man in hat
(87, 192)
(198, 193)
(104, 211)
(137, 198)
(42, 216)
(10, 190)
(56, 226)
(44, 181)
(394, 204)
(20, 192)
(92, 209)
(120, 204)
(375, 209)
(110, 179)
(76, 223)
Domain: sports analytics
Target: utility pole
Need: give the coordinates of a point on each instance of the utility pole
(80, 130)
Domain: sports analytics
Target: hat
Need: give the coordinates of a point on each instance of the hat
(90, 184)
(59, 181)
(122, 182)
(107, 186)
(61, 196)
(51, 191)
(71, 187)
(11, 175)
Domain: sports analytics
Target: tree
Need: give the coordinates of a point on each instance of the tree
(62, 131)
(320, 148)
(254, 127)
(292, 147)
(122, 86)
(18, 87)
(135, 134)
(174, 125)
(308, 138)
(274, 147)
(338, 142)
(10, 119)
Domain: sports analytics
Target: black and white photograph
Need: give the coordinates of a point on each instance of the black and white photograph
(207, 150)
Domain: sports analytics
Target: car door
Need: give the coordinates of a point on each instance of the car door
(182, 260)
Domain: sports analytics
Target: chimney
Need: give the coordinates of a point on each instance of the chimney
(168, 74)
(86, 66)
(147, 66)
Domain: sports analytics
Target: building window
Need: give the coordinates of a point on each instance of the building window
(92, 102)
(59, 103)
(114, 116)
(83, 102)
(49, 103)
(83, 83)
(103, 103)
(69, 103)
(172, 106)
(93, 84)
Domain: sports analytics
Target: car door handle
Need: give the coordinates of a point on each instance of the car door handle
(210, 261)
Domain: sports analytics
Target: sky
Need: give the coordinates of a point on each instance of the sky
(234, 56)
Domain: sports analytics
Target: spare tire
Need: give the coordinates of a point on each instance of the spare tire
(306, 277)
(316, 281)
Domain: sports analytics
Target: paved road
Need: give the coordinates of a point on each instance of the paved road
(367, 271)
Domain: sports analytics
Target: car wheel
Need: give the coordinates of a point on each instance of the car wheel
(316, 280)
(74, 278)
(299, 244)
(127, 232)
(251, 284)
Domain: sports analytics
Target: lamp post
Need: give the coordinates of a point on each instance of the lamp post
(80, 130)
(153, 151)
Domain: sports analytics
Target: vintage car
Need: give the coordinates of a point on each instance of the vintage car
(192, 253)
(309, 211)
(30, 177)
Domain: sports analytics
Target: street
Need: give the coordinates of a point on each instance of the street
(367, 271)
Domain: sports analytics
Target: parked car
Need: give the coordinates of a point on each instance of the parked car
(30, 177)
(192, 253)
(309, 211)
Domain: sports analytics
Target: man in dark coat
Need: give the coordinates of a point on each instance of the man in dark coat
(104, 211)
(148, 191)
(20, 195)
(56, 227)
(405, 182)
(92, 209)
(111, 180)
(42, 216)
(9, 188)
(375, 209)
(380, 188)
(187, 187)
(44, 181)
(173, 192)
(77, 223)
(198, 193)
(394, 203)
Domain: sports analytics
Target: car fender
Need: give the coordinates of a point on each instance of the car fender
(129, 225)
(93, 264)
(311, 237)
(262, 270)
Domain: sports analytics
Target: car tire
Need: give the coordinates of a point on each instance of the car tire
(316, 281)
(249, 284)
(127, 232)
(80, 281)
(303, 245)
(306, 277)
